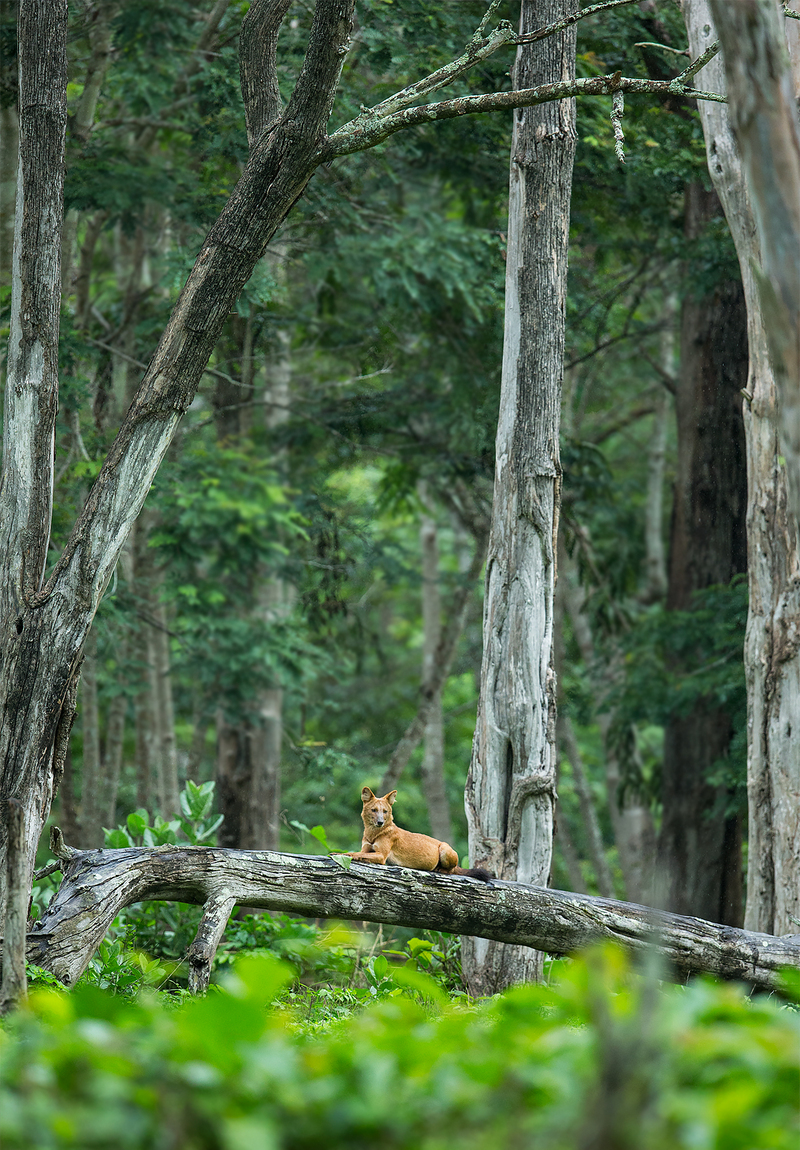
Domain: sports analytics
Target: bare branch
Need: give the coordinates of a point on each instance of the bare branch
(568, 21)
(367, 130)
(476, 50)
(691, 71)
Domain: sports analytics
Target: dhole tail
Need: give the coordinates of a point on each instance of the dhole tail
(474, 872)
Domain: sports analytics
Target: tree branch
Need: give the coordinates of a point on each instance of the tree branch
(310, 105)
(98, 884)
(367, 130)
(200, 954)
(258, 65)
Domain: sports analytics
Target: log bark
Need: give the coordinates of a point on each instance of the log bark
(98, 884)
(510, 792)
(772, 641)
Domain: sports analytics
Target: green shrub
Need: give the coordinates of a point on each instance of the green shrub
(603, 1059)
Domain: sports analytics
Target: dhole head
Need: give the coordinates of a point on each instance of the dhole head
(377, 812)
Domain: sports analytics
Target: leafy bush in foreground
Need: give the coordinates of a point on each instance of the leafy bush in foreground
(604, 1059)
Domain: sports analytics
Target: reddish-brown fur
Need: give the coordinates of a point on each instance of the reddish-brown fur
(385, 842)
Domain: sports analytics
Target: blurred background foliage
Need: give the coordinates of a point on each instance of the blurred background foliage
(599, 1057)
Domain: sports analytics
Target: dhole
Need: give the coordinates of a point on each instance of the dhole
(384, 842)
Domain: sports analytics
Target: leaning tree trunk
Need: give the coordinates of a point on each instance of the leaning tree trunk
(510, 793)
(772, 642)
(700, 847)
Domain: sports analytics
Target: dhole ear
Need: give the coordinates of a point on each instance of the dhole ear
(366, 795)
(391, 798)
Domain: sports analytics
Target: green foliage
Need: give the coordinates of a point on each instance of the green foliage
(600, 1058)
(197, 824)
(675, 660)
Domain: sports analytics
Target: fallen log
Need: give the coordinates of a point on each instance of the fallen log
(97, 884)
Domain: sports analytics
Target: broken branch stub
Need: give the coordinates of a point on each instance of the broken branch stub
(99, 883)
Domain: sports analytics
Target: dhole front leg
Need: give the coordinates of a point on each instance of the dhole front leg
(371, 857)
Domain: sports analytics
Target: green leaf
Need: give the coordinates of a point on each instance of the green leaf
(137, 822)
(117, 838)
(319, 834)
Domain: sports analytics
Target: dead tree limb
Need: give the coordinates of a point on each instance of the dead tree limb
(99, 883)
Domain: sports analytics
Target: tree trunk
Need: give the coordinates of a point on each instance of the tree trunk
(568, 742)
(655, 560)
(699, 845)
(772, 650)
(763, 115)
(15, 982)
(37, 671)
(433, 783)
(262, 830)
(112, 759)
(440, 669)
(597, 854)
(631, 817)
(510, 793)
(97, 885)
(92, 788)
(167, 748)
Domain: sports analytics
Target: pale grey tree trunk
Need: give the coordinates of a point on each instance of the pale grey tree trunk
(655, 553)
(763, 115)
(772, 642)
(510, 793)
(433, 783)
